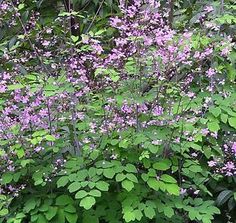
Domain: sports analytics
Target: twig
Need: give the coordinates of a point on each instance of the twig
(29, 40)
(99, 8)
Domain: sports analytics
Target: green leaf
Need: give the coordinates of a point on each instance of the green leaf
(39, 133)
(173, 189)
(168, 211)
(7, 178)
(120, 177)
(109, 173)
(20, 215)
(213, 126)
(62, 181)
(60, 217)
(114, 142)
(130, 168)
(15, 86)
(90, 218)
(195, 168)
(232, 122)
(29, 205)
(154, 149)
(115, 78)
(20, 153)
(128, 185)
(224, 117)
(132, 177)
(50, 87)
(21, 6)
(231, 71)
(91, 184)
(50, 138)
(168, 178)
(95, 193)
(71, 218)
(206, 219)
(138, 214)
(43, 207)
(64, 200)
(70, 208)
(192, 214)
(102, 185)
(223, 197)
(87, 202)
(149, 212)
(81, 194)
(34, 218)
(162, 165)
(153, 183)
(84, 183)
(145, 177)
(52, 211)
(81, 175)
(129, 216)
(74, 38)
(41, 219)
(92, 172)
(215, 111)
(74, 187)
(3, 212)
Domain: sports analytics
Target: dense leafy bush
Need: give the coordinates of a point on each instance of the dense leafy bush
(126, 121)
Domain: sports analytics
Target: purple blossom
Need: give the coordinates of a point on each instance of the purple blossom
(127, 109)
(3, 88)
(212, 163)
(157, 110)
(211, 72)
(234, 148)
(183, 191)
(115, 22)
(208, 9)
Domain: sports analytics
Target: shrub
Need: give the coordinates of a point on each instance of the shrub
(114, 130)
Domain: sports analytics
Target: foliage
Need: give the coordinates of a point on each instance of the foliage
(116, 118)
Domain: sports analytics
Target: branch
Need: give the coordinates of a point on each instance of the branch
(99, 8)
(171, 12)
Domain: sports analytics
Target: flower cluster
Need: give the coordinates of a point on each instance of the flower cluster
(225, 165)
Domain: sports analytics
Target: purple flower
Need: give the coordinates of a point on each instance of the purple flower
(212, 163)
(225, 51)
(234, 148)
(115, 22)
(45, 43)
(38, 149)
(157, 142)
(4, 6)
(183, 191)
(157, 110)
(229, 166)
(211, 72)
(205, 131)
(97, 48)
(127, 109)
(208, 9)
(190, 94)
(3, 88)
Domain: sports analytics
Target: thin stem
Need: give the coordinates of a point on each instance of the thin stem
(75, 135)
(95, 16)
(29, 40)
(222, 6)
(171, 12)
